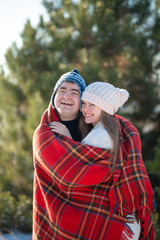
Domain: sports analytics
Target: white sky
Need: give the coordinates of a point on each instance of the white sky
(13, 16)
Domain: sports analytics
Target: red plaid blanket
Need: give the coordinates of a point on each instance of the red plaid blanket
(76, 195)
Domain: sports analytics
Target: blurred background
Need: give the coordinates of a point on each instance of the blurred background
(114, 41)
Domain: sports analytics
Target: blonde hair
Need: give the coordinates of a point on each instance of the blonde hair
(111, 127)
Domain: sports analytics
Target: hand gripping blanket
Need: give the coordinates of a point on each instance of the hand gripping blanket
(77, 196)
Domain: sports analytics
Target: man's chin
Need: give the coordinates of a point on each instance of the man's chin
(67, 110)
(68, 114)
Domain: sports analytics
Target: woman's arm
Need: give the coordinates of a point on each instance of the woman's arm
(60, 128)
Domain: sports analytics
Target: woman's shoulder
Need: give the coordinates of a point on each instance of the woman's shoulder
(99, 129)
(99, 137)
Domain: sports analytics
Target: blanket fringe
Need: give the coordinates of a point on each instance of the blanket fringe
(142, 205)
(138, 205)
(127, 234)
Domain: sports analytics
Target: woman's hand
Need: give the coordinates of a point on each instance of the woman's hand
(60, 128)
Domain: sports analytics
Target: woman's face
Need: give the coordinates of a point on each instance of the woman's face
(91, 113)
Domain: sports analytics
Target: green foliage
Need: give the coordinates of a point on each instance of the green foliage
(156, 225)
(111, 41)
(23, 215)
(15, 213)
(154, 165)
(7, 210)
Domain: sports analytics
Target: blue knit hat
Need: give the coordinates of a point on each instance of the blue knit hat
(72, 76)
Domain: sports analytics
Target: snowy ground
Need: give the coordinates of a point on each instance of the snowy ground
(16, 236)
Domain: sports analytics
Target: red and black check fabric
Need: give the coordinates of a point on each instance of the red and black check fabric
(77, 196)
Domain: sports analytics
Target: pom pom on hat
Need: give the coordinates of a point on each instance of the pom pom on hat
(105, 96)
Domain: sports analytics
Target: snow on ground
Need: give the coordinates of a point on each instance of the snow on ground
(16, 236)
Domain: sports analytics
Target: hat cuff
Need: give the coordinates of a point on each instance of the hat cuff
(99, 102)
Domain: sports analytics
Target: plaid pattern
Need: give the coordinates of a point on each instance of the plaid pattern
(76, 195)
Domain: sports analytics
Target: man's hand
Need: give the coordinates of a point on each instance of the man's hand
(60, 128)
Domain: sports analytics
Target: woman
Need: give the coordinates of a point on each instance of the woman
(95, 193)
(100, 101)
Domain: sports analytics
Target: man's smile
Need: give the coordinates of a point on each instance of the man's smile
(67, 104)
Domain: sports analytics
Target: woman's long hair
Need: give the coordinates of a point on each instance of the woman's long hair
(112, 128)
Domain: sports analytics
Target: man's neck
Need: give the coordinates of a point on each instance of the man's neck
(64, 119)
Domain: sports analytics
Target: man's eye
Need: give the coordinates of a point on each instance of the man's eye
(75, 93)
(92, 104)
(61, 91)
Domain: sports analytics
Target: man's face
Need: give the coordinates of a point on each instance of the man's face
(67, 101)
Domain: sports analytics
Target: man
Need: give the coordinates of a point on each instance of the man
(66, 101)
(64, 116)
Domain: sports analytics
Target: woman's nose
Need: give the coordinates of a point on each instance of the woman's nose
(84, 108)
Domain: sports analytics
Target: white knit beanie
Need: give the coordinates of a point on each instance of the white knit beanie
(105, 96)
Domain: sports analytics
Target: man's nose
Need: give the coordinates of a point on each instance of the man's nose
(67, 94)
